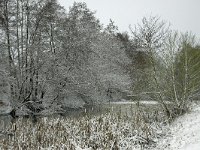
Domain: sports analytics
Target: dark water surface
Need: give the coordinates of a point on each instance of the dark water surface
(6, 120)
(123, 109)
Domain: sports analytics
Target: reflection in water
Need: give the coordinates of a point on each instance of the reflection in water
(5, 121)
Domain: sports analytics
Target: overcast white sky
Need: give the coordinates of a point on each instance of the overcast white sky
(184, 15)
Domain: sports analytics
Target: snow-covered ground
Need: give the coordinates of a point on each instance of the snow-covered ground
(131, 102)
(184, 132)
(125, 102)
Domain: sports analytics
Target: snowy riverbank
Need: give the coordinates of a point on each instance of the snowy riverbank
(184, 132)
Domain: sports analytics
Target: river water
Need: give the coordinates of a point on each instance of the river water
(6, 119)
(122, 107)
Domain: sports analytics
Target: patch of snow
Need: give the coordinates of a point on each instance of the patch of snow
(192, 146)
(184, 133)
(131, 102)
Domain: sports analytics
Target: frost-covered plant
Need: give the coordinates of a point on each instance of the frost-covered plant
(106, 131)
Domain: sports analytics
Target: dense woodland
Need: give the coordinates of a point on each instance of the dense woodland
(51, 59)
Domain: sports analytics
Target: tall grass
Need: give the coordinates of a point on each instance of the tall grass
(139, 128)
